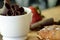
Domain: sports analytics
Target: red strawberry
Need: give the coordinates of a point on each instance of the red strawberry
(36, 17)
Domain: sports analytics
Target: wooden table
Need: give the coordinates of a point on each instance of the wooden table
(48, 13)
(52, 12)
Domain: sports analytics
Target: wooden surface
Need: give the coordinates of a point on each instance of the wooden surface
(52, 12)
(48, 13)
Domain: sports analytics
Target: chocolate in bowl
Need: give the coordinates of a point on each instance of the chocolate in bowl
(13, 10)
(25, 9)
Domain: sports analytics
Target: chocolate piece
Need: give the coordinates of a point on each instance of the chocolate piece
(21, 9)
(13, 7)
(7, 6)
(17, 13)
(9, 13)
(36, 28)
(41, 24)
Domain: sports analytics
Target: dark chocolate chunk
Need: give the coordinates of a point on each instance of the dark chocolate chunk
(13, 7)
(41, 24)
(9, 13)
(21, 9)
(7, 6)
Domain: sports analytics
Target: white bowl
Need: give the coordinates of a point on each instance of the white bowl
(15, 26)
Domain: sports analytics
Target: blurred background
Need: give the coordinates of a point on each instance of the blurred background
(42, 4)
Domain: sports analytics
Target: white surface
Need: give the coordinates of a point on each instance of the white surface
(18, 38)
